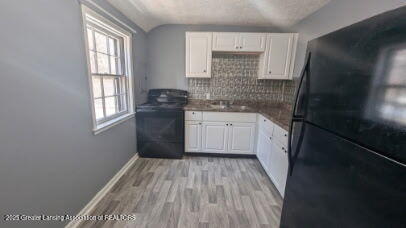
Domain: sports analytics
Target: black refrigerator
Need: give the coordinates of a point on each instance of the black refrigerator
(347, 142)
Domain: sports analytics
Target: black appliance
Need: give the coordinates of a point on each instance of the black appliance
(347, 142)
(161, 123)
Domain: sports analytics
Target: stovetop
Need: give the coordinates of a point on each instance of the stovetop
(164, 99)
(161, 106)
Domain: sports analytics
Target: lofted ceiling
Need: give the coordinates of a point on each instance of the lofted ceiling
(149, 14)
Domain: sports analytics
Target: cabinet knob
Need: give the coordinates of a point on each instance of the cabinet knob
(264, 120)
(200, 123)
(226, 124)
(240, 47)
(204, 71)
(231, 124)
(270, 71)
(270, 138)
(193, 113)
(286, 135)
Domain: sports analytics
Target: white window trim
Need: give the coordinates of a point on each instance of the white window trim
(98, 128)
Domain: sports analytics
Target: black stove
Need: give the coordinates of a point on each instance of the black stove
(161, 123)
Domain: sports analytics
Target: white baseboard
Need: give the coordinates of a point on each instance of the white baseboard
(96, 199)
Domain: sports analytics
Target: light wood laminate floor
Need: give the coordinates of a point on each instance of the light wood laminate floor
(193, 192)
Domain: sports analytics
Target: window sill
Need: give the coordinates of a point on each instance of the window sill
(109, 124)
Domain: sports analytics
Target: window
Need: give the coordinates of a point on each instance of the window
(109, 63)
(388, 94)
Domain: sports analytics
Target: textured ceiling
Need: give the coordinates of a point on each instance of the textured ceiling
(282, 13)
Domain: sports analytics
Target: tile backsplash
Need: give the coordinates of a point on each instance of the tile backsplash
(234, 77)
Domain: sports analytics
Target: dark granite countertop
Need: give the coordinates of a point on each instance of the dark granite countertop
(279, 113)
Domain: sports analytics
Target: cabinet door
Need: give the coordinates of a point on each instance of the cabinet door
(279, 166)
(198, 54)
(193, 136)
(241, 138)
(225, 41)
(215, 137)
(263, 149)
(252, 42)
(278, 57)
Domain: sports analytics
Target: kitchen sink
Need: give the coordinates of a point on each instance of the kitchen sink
(233, 107)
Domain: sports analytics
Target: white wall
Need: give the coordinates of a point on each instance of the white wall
(333, 16)
(166, 52)
(50, 161)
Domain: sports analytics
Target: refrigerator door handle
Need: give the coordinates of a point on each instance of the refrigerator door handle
(298, 118)
(303, 74)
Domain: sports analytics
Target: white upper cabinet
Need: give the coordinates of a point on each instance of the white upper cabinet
(252, 42)
(278, 59)
(226, 41)
(198, 54)
(277, 52)
(239, 42)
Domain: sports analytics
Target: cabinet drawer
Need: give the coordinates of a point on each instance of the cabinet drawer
(230, 117)
(193, 115)
(265, 124)
(281, 135)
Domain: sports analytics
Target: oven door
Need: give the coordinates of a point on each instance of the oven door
(160, 126)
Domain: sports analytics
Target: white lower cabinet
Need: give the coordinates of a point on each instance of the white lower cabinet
(273, 158)
(215, 137)
(193, 139)
(234, 133)
(263, 150)
(279, 166)
(227, 133)
(241, 138)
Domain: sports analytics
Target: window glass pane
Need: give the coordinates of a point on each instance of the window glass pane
(92, 62)
(98, 108)
(113, 65)
(120, 70)
(102, 63)
(90, 39)
(109, 84)
(101, 42)
(395, 95)
(97, 92)
(123, 103)
(112, 46)
(111, 106)
(122, 85)
(107, 56)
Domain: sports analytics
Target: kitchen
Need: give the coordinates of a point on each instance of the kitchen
(203, 114)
